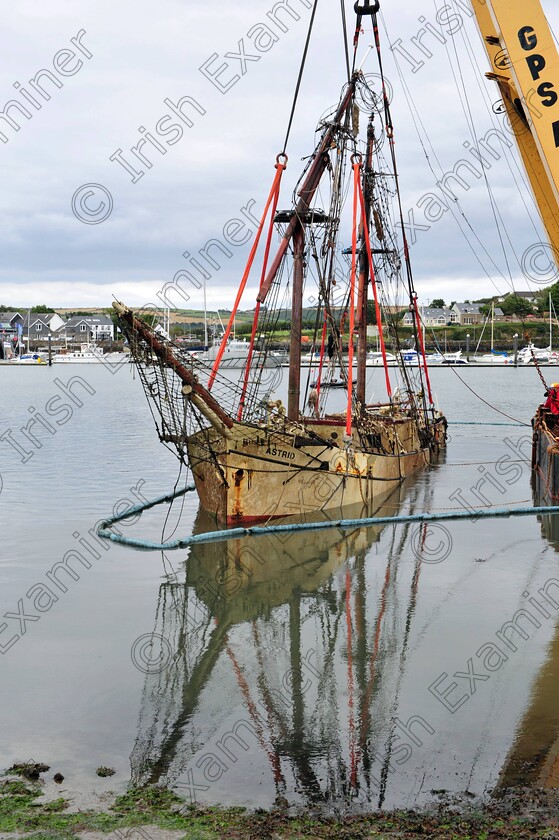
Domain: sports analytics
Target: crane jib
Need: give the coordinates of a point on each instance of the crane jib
(536, 62)
(524, 63)
(529, 72)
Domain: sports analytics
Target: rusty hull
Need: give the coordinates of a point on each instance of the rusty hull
(264, 473)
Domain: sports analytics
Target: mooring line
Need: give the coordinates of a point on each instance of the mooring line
(482, 423)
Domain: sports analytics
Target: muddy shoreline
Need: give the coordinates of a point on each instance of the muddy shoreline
(47, 811)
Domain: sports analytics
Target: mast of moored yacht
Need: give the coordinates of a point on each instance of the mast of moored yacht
(205, 318)
(550, 325)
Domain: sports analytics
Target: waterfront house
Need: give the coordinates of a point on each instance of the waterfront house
(38, 326)
(470, 313)
(89, 328)
(529, 297)
(9, 323)
(432, 317)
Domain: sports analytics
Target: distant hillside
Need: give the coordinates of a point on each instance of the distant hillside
(189, 316)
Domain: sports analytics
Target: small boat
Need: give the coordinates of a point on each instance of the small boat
(235, 355)
(88, 354)
(29, 359)
(410, 358)
(309, 359)
(493, 358)
(447, 359)
(530, 355)
(375, 359)
(332, 383)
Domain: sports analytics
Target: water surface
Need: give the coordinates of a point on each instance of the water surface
(346, 670)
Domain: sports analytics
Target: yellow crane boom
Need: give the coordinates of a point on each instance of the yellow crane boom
(525, 66)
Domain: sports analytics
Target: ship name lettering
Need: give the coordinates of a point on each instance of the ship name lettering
(280, 453)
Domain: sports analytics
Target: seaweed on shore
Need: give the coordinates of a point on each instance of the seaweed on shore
(147, 812)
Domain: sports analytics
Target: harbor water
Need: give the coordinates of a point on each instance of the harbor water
(373, 668)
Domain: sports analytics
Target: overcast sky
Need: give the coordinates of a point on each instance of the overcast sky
(128, 57)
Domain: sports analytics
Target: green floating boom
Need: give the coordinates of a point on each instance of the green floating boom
(342, 524)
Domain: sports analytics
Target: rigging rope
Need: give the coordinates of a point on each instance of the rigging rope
(454, 206)
(422, 347)
(391, 144)
(181, 464)
(346, 48)
(272, 199)
(320, 366)
(469, 119)
(373, 279)
(300, 76)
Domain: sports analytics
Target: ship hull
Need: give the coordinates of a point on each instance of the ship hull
(545, 456)
(257, 474)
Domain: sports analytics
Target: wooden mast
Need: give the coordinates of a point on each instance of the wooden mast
(307, 191)
(294, 390)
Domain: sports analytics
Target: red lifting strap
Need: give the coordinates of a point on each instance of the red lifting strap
(280, 167)
(276, 192)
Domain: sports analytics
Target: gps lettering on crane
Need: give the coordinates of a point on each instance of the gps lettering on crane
(536, 64)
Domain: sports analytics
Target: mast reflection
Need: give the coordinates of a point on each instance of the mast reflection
(289, 653)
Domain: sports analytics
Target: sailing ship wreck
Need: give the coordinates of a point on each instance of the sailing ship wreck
(251, 457)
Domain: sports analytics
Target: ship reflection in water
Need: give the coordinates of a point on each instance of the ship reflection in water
(345, 669)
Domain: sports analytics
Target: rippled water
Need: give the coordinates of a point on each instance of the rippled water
(355, 670)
